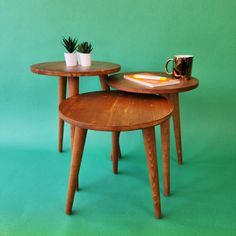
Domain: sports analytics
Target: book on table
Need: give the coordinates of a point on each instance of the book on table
(150, 79)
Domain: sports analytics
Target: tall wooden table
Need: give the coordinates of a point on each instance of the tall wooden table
(171, 91)
(72, 74)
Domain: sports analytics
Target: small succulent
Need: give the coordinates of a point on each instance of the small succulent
(84, 47)
(70, 44)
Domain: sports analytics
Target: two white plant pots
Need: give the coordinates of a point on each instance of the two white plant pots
(83, 59)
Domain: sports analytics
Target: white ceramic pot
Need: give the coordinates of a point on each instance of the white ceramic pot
(84, 59)
(71, 59)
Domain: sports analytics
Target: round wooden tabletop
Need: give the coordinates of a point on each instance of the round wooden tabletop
(59, 68)
(115, 110)
(117, 81)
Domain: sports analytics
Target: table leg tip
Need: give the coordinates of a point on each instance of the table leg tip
(158, 216)
(167, 193)
(68, 212)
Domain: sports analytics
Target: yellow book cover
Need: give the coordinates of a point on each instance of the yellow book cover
(150, 79)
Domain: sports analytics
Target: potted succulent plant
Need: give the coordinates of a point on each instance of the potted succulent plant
(70, 56)
(84, 50)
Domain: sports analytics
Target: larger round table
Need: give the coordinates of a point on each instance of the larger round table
(119, 111)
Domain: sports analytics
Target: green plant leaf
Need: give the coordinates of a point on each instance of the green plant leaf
(84, 47)
(70, 44)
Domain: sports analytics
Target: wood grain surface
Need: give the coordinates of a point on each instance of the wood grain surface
(119, 111)
(61, 96)
(77, 153)
(115, 110)
(174, 99)
(151, 156)
(117, 81)
(60, 69)
(165, 143)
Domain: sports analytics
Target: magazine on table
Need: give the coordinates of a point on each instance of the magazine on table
(150, 79)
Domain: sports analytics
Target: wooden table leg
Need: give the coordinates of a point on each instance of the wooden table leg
(151, 155)
(73, 86)
(115, 134)
(79, 141)
(115, 151)
(165, 142)
(104, 85)
(174, 98)
(61, 96)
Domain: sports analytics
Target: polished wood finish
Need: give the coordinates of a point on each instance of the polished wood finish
(165, 143)
(59, 68)
(115, 135)
(73, 89)
(103, 82)
(115, 158)
(174, 98)
(115, 110)
(171, 91)
(73, 86)
(61, 96)
(117, 81)
(118, 111)
(79, 141)
(115, 154)
(115, 145)
(151, 156)
(98, 68)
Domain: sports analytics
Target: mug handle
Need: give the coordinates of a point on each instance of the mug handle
(166, 66)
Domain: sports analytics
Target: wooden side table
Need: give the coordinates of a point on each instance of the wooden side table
(119, 111)
(72, 74)
(171, 91)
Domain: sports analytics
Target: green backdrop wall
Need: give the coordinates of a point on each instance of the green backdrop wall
(139, 35)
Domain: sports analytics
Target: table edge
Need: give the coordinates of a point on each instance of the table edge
(147, 90)
(73, 73)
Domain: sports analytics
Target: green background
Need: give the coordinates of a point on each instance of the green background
(139, 35)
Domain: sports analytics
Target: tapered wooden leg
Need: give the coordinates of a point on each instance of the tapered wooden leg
(151, 156)
(174, 98)
(115, 145)
(115, 151)
(61, 97)
(73, 86)
(79, 141)
(82, 147)
(115, 135)
(104, 85)
(165, 142)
